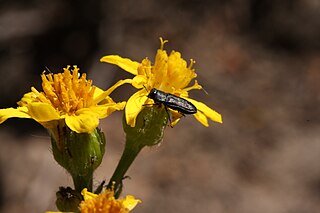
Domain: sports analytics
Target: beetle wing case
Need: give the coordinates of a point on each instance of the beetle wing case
(180, 104)
(171, 101)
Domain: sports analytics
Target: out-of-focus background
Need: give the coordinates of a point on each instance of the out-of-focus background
(259, 61)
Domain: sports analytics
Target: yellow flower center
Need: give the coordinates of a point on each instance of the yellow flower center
(67, 92)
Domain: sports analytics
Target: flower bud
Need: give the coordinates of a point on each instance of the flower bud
(149, 128)
(80, 154)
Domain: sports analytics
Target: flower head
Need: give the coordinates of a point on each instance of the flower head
(106, 203)
(68, 97)
(170, 74)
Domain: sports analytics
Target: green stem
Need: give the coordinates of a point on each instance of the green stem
(83, 181)
(128, 156)
(148, 131)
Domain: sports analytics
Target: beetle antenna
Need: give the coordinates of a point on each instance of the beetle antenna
(169, 117)
(48, 69)
(204, 91)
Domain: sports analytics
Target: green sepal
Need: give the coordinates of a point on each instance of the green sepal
(80, 154)
(149, 128)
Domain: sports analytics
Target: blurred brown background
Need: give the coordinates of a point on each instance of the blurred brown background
(259, 60)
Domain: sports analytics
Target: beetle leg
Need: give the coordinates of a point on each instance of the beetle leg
(169, 117)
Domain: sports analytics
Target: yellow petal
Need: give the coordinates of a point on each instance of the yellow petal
(26, 99)
(130, 202)
(124, 63)
(42, 112)
(175, 117)
(134, 106)
(57, 212)
(100, 97)
(207, 111)
(159, 72)
(145, 67)
(97, 92)
(201, 118)
(105, 110)
(85, 121)
(195, 86)
(139, 81)
(20, 112)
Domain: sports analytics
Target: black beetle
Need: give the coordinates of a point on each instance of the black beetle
(171, 101)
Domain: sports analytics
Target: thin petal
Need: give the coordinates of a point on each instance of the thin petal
(43, 112)
(106, 93)
(124, 63)
(195, 86)
(26, 99)
(175, 116)
(20, 112)
(84, 122)
(207, 111)
(97, 92)
(134, 106)
(159, 72)
(130, 202)
(201, 118)
(184, 92)
(105, 110)
(139, 81)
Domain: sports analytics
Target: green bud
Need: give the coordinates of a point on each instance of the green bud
(149, 128)
(80, 154)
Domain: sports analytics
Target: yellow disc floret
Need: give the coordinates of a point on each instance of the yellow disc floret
(67, 92)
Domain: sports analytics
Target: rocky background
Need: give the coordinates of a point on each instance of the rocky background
(259, 60)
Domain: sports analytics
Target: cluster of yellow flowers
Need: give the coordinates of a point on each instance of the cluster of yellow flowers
(66, 96)
(69, 100)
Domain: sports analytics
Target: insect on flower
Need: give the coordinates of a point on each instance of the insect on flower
(171, 101)
(172, 75)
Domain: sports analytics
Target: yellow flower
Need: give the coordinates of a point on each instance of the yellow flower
(68, 98)
(106, 203)
(170, 74)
